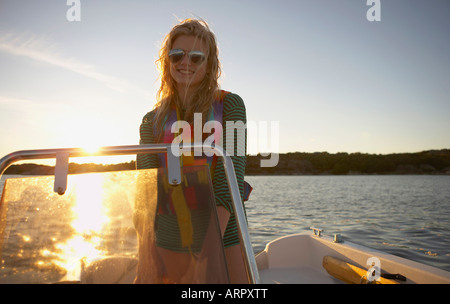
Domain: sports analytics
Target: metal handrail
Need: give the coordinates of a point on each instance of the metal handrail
(246, 246)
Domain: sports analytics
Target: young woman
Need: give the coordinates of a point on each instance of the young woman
(189, 69)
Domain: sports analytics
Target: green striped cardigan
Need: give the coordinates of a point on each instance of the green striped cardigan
(233, 111)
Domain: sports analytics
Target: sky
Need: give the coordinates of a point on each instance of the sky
(315, 75)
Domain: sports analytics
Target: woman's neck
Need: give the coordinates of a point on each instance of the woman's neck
(186, 94)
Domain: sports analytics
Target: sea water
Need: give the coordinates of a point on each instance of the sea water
(405, 215)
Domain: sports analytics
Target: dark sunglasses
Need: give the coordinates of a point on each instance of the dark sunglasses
(196, 57)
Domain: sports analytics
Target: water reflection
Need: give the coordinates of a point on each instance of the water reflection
(45, 236)
(89, 211)
(89, 233)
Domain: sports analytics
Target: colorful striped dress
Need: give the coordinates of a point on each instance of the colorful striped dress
(233, 111)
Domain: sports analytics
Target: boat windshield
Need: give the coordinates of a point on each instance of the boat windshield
(112, 227)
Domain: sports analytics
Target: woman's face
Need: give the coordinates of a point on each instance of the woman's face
(188, 75)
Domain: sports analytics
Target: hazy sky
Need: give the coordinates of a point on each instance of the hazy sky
(332, 80)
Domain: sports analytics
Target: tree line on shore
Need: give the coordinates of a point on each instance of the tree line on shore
(298, 163)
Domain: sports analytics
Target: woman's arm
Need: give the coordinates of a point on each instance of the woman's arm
(235, 114)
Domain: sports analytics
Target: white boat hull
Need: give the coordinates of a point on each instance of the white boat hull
(298, 259)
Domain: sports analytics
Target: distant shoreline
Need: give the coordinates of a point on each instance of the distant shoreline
(432, 162)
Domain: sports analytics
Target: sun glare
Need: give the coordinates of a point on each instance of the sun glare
(89, 219)
(89, 211)
(91, 148)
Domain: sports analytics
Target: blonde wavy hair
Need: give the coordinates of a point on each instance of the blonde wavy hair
(206, 93)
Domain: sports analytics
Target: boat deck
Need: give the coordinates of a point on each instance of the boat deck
(297, 275)
(298, 259)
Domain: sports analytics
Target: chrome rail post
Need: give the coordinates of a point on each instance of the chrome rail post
(246, 245)
(247, 250)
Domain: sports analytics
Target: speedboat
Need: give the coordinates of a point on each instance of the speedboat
(106, 227)
(312, 258)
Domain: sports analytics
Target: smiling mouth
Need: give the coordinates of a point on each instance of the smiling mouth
(185, 72)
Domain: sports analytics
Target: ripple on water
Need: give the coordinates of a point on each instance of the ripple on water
(408, 216)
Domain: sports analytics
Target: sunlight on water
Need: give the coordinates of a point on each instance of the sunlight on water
(89, 217)
(77, 251)
(48, 237)
(89, 212)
